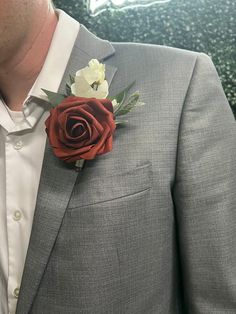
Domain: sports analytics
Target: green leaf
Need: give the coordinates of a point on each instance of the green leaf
(68, 85)
(122, 95)
(119, 122)
(140, 104)
(131, 103)
(54, 98)
(72, 79)
(68, 89)
(120, 98)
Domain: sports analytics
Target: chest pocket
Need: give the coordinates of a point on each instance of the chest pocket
(91, 190)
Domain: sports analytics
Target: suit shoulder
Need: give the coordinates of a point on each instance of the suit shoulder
(138, 51)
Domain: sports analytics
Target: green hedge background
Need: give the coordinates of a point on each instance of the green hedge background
(201, 25)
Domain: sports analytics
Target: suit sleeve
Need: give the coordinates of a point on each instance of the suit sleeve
(205, 195)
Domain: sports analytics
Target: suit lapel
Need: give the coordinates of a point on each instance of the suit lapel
(56, 182)
(87, 47)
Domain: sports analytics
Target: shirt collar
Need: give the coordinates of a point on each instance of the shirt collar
(51, 73)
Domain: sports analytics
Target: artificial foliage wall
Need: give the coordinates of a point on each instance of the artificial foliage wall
(201, 25)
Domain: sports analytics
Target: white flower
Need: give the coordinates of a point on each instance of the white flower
(90, 81)
(115, 104)
(94, 72)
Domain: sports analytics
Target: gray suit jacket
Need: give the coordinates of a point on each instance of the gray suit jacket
(149, 228)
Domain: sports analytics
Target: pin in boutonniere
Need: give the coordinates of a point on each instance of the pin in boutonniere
(82, 122)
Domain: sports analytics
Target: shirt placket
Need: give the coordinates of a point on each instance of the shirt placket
(13, 147)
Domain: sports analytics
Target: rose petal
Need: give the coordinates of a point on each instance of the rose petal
(94, 118)
(91, 154)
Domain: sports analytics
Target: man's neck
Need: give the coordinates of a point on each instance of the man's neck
(18, 74)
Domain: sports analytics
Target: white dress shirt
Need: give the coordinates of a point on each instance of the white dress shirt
(22, 144)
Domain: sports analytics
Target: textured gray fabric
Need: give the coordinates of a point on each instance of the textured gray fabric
(149, 228)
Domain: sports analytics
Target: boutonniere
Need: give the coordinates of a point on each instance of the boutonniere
(82, 122)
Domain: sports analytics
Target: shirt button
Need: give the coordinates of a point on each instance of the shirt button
(16, 293)
(18, 145)
(17, 215)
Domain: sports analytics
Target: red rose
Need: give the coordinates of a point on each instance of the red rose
(81, 128)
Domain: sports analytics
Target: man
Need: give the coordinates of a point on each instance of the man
(149, 227)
